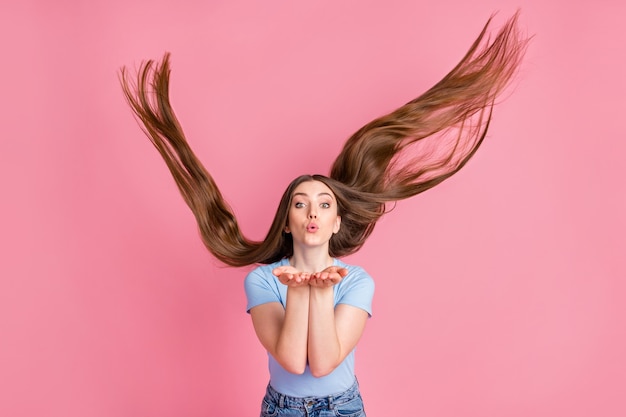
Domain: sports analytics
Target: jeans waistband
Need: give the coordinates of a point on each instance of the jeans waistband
(325, 402)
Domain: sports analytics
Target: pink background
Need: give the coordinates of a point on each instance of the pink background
(499, 293)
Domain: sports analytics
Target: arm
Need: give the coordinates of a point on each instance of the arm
(333, 332)
(282, 331)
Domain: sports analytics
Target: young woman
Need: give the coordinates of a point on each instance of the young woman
(309, 308)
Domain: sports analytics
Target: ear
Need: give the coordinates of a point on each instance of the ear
(337, 225)
(287, 229)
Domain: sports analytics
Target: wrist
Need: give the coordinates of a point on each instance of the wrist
(298, 290)
(321, 292)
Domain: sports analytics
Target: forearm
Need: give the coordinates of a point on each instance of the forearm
(324, 348)
(291, 345)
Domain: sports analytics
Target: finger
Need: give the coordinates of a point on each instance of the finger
(342, 272)
(337, 269)
(278, 270)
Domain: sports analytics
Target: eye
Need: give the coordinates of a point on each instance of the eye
(325, 205)
(299, 204)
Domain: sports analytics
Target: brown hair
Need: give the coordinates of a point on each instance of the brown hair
(391, 158)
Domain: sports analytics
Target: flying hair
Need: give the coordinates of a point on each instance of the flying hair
(394, 157)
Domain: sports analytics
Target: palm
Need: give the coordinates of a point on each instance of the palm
(328, 277)
(288, 275)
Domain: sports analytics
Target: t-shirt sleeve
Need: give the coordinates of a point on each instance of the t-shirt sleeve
(260, 288)
(357, 289)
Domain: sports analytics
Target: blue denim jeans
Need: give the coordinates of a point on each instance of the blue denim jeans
(346, 404)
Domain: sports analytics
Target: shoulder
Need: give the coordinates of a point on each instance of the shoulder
(261, 286)
(267, 269)
(356, 275)
(356, 289)
(263, 273)
(354, 270)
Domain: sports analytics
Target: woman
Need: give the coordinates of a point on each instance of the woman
(308, 308)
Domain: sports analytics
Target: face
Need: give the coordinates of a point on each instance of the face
(313, 217)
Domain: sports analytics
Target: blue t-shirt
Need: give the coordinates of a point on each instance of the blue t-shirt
(355, 289)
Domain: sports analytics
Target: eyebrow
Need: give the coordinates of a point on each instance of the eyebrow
(319, 195)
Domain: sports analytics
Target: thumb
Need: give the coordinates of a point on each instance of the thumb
(342, 271)
(279, 270)
(339, 270)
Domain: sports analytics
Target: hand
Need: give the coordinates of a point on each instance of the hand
(290, 276)
(328, 277)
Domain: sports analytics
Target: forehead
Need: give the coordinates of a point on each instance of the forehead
(312, 189)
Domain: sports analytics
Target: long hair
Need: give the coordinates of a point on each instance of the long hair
(391, 158)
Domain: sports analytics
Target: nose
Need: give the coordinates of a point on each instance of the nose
(312, 213)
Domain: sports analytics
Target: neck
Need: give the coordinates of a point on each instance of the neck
(311, 260)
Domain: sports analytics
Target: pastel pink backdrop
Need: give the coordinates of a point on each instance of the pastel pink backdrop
(499, 293)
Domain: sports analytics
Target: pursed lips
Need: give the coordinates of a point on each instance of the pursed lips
(312, 227)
